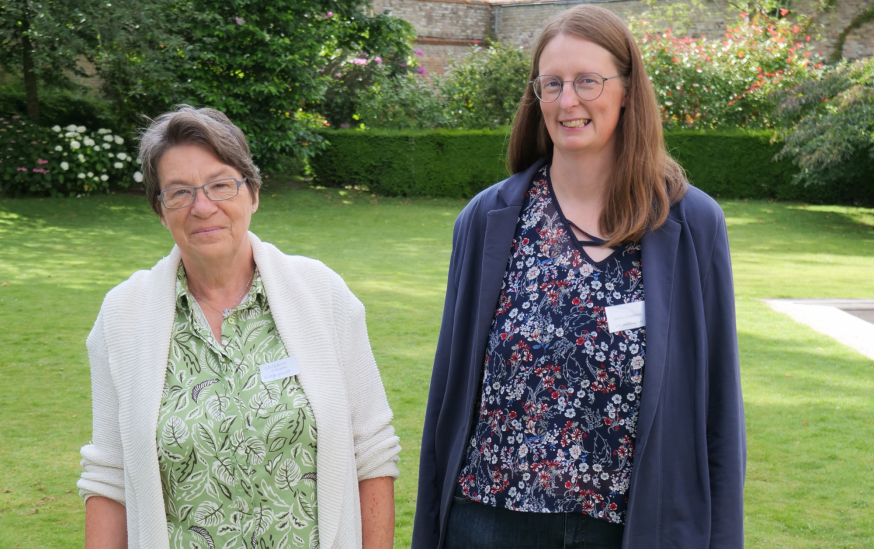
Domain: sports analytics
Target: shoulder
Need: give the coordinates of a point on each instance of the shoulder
(143, 282)
(701, 214)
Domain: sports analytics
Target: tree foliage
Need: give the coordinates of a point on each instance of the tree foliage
(828, 123)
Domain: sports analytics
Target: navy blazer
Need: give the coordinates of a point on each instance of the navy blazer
(690, 454)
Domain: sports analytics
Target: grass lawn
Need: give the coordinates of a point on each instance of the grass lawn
(810, 411)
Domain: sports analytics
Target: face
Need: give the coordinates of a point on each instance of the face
(206, 230)
(575, 125)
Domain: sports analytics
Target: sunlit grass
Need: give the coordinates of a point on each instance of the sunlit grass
(810, 417)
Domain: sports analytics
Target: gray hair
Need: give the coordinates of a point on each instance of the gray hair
(187, 125)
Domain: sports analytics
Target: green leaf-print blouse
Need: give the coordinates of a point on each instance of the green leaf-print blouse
(237, 455)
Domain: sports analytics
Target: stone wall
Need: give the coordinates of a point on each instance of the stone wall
(448, 28)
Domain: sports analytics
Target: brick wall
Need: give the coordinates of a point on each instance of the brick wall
(447, 28)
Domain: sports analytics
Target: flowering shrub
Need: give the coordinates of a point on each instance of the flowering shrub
(402, 101)
(705, 83)
(828, 125)
(66, 161)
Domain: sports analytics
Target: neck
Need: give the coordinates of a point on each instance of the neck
(582, 178)
(220, 280)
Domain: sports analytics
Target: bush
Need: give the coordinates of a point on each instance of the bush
(725, 83)
(450, 163)
(59, 107)
(829, 126)
(460, 163)
(62, 161)
(481, 91)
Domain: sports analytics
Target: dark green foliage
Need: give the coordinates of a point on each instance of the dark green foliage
(24, 149)
(59, 107)
(450, 163)
(456, 163)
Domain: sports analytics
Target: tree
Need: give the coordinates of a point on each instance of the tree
(42, 39)
(261, 62)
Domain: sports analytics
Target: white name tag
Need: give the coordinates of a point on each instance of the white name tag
(286, 367)
(625, 317)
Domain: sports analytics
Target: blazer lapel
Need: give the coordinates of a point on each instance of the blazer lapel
(658, 258)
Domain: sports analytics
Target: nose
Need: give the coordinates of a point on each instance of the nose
(203, 206)
(569, 98)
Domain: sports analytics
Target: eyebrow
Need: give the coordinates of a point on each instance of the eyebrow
(214, 176)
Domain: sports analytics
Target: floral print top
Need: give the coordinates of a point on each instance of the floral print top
(560, 394)
(237, 455)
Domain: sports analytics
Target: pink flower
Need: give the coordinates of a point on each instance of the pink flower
(378, 59)
(421, 70)
(41, 161)
(359, 61)
(344, 126)
(329, 15)
(21, 169)
(240, 20)
(339, 75)
(39, 170)
(419, 52)
(16, 117)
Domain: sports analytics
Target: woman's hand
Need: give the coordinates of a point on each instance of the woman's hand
(377, 512)
(106, 524)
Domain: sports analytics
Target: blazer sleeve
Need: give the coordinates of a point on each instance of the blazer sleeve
(102, 459)
(426, 526)
(376, 446)
(726, 432)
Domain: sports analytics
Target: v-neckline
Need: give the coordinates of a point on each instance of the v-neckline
(580, 247)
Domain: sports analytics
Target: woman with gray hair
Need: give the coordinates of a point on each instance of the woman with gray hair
(236, 400)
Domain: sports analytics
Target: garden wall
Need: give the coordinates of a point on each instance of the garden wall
(457, 163)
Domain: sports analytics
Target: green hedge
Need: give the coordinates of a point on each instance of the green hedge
(458, 163)
(60, 108)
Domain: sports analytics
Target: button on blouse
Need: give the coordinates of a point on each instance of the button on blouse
(237, 455)
(560, 394)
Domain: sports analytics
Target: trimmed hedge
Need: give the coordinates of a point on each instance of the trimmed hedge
(460, 163)
(60, 108)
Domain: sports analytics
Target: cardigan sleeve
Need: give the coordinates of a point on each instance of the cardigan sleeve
(376, 446)
(102, 461)
(726, 436)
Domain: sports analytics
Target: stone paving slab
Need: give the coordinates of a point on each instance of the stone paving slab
(849, 321)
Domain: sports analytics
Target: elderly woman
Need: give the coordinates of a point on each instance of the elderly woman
(586, 388)
(236, 399)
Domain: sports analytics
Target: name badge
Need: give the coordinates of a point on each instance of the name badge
(625, 317)
(286, 367)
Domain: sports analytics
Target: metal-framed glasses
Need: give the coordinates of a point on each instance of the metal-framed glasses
(218, 190)
(588, 86)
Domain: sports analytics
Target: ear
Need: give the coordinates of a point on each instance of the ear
(625, 98)
(163, 221)
(256, 199)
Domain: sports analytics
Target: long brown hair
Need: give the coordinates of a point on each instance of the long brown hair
(646, 180)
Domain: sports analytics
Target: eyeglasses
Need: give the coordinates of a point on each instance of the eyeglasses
(182, 197)
(589, 86)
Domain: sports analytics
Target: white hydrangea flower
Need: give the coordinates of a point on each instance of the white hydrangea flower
(81, 176)
(118, 165)
(104, 177)
(80, 129)
(107, 138)
(119, 140)
(81, 158)
(58, 148)
(71, 128)
(74, 145)
(110, 154)
(90, 174)
(95, 178)
(107, 146)
(121, 156)
(88, 142)
(102, 131)
(71, 134)
(65, 166)
(56, 128)
(138, 177)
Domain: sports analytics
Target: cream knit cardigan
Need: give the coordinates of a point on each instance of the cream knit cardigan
(319, 321)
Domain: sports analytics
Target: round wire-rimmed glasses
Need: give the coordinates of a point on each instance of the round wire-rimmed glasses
(588, 86)
(175, 198)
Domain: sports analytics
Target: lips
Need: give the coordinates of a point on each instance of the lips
(206, 231)
(578, 123)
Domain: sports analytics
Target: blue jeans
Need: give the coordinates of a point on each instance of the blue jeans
(476, 526)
